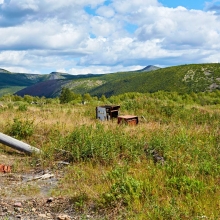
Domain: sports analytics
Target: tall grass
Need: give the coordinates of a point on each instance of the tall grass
(112, 169)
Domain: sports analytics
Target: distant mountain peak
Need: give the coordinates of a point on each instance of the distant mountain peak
(57, 75)
(149, 68)
(4, 71)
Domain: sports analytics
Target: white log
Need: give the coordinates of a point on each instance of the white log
(18, 145)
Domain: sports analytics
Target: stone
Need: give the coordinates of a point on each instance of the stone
(18, 204)
(63, 217)
(42, 215)
(49, 200)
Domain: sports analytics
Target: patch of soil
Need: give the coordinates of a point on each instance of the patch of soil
(26, 194)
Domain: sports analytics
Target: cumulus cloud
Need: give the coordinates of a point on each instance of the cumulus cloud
(97, 36)
(129, 6)
(213, 6)
(105, 11)
(100, 69)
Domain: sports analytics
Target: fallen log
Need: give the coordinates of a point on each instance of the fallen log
(18, 145)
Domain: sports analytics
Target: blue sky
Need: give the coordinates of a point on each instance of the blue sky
(189, 4)
(99, 36)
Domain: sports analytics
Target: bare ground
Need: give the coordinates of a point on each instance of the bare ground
(25, 193)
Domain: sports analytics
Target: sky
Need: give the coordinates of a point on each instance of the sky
(104, 36)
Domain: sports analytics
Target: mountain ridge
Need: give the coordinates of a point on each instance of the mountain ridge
(183, 79)
(149, 68)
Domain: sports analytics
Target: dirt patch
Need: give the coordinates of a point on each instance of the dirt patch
(26, 194)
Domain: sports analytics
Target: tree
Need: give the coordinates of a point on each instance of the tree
(103, 98)
(66, 95)
(87, 97)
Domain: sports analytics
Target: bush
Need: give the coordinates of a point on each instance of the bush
(185, 184)
(21, 128)
(125, 189)
(22, 108)
(102, 145)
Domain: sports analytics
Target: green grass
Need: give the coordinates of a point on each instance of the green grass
(112, 170)
(10, 90)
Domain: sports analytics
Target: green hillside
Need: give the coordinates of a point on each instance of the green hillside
(182, 79)
(10, 90)
(52, 87)
(13, 82)
(19, 79)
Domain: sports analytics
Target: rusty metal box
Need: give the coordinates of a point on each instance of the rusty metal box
(128, 119)
(107, 112)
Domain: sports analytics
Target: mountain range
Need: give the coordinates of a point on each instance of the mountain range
(182, 79)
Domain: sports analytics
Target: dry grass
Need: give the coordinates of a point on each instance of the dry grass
(189, 148)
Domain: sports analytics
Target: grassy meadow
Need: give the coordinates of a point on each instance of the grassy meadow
(113, 171)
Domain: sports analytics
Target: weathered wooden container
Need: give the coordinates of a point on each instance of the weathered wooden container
(128, 119)
(107, 112)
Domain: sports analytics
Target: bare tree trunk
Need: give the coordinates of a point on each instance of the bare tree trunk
(18, 145)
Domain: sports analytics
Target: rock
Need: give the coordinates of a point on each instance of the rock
(2, 214)
(157, 158)
(49, 215)
(49, 200)
(16, 209)
(5, 209)
(42, 215)
(64, 217)
(18, 204)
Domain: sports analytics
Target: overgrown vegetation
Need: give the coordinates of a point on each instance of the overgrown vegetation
(113, 169)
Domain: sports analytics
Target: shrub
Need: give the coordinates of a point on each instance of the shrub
(22, 108)
(184, 184)
(167, 110)
(102, 145)
(125, 189)
(21, 128)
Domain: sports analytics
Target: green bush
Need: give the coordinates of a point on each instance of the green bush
(21, 128)
(22, 108)
(125, 189)
(102, 145)
(184, 184)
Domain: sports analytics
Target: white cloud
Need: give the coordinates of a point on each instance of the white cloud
(180, 28)
(105, 11)
(213, 5)
(47, 35)
(101, 69)
(102, 27)
(128, 6)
